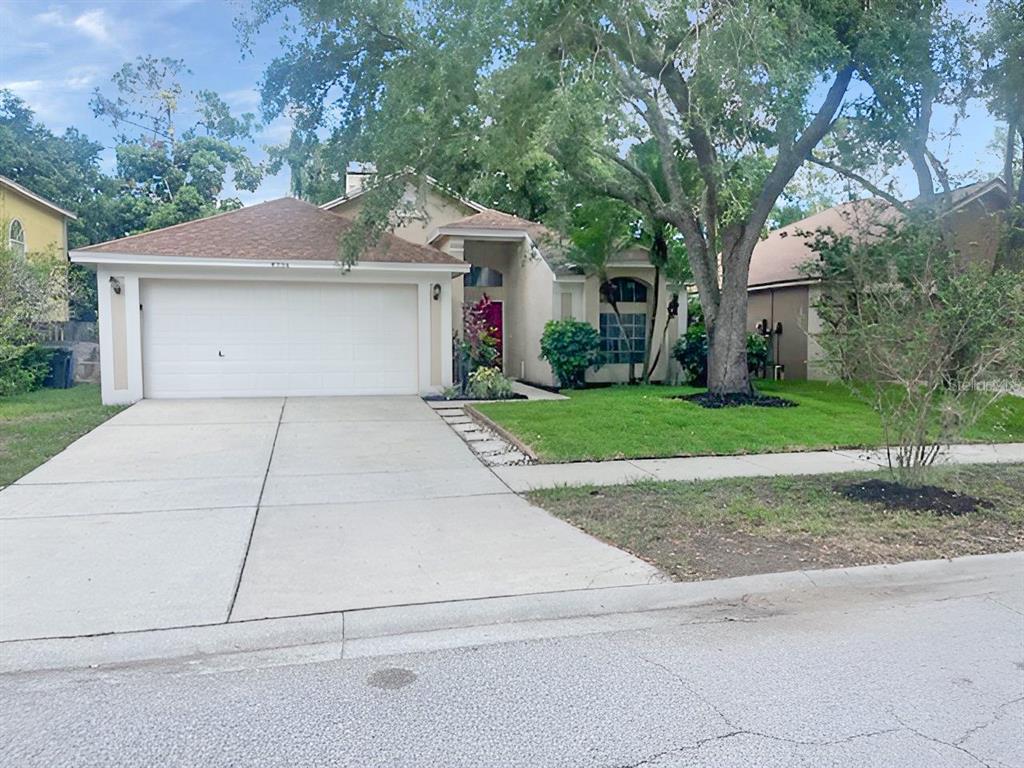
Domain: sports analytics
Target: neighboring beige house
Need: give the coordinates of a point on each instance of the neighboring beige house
(34, 227)
(253, 302)
(779, 292)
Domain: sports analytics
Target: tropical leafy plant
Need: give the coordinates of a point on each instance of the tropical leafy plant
(489, 384)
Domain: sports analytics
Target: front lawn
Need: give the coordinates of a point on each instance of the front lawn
(37, 425)
(644, 422)
(736, 527)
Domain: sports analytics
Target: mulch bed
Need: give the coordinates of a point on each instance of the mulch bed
(925, 498)
(468, 399)
(708, 400)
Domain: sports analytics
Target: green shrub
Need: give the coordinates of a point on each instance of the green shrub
(489, 384)
(24, 369)
(691, 352)
(570, 347)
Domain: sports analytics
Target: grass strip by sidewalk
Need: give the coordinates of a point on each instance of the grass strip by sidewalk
(646, 422)
(736, 527)
(38, 425)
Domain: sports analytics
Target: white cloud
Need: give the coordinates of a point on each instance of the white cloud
(94, 24)
(243, 99)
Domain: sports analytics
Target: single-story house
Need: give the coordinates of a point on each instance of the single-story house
(781, 295)
(253, 302)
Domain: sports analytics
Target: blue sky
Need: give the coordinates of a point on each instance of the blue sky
(54, 54)
(62, 50)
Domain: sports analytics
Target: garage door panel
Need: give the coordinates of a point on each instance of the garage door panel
(211, 338)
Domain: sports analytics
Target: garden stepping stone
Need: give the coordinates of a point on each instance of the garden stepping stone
(512, 457)
(470, 427)
(473, 437)
(458, 420)
(489, 446)
(451, 412)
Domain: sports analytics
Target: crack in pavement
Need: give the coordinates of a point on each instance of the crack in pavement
(739, 730)
(701, 743)
(997, 714)
(936, 740)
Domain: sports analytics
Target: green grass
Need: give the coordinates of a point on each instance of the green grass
(37, 425)
(643, 422)
(740, 526)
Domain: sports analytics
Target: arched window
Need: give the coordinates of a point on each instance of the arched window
(16, 237)
(624, 289)
(482, 277)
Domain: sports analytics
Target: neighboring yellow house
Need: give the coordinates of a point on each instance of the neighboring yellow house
(33, 226)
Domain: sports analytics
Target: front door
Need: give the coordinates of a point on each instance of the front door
(493, 313)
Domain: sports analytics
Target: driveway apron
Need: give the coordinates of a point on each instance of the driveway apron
(180, 513)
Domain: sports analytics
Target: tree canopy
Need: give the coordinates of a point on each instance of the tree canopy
(729, 99)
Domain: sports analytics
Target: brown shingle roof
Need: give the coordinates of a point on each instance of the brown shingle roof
(492, 219)
(286, 229)
(779, 257)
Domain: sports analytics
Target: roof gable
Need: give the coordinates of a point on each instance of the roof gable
(26, 192)
(433, 185)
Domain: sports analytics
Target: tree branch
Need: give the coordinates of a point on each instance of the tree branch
(863, 181)
(788, 162)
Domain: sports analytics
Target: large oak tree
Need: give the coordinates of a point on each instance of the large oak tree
(734, 95)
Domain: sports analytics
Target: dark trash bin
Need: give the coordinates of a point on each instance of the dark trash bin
(62, 370)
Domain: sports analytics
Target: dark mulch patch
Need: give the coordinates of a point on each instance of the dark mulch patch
(467, 398)
(708, 400)
(926, 498)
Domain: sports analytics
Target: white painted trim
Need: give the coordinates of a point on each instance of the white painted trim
(89, 257)
(781, 284)
(11, 184)
(480, 233)
(446, 333)
(423, 334)
(10, 237)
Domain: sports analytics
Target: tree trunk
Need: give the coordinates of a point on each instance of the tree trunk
(651, 327)
(727, 332)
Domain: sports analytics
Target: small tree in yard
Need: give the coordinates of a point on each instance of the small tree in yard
(570, 347)
(920, 337)
(29, 290)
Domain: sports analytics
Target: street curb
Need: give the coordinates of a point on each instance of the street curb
(423, 627)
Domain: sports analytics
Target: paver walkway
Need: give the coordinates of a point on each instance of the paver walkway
(527, 478)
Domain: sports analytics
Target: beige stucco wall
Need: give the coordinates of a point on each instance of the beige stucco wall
(815, 367)
(432, 210)
(786, 305)
(526, 296)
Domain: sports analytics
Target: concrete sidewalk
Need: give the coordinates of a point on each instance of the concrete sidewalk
(619, 472)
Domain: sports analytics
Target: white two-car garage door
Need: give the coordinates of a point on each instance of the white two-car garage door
(254, 339)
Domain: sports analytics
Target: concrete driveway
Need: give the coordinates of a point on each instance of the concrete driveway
(186, 513)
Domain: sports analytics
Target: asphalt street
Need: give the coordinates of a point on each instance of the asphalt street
(899, 678)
